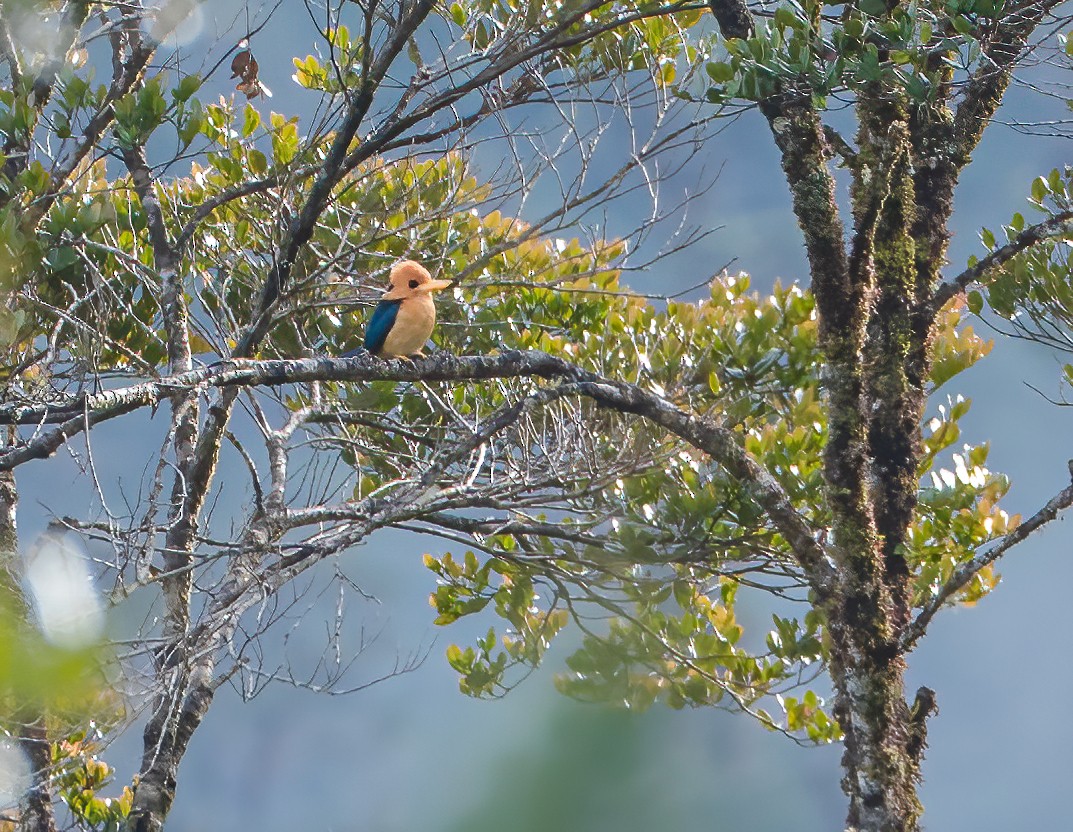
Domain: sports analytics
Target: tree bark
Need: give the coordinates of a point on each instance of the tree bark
(166, 739)
(37, 814)
(880, 774)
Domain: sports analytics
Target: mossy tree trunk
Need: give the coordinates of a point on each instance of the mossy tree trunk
(877, 294)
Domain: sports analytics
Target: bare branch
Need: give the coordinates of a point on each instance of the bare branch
(336, 165)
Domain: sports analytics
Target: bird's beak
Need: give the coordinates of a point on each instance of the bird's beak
(403, 292)
(433, 286)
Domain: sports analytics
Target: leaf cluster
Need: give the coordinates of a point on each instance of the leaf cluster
(680, 537)
(597, 40)
(1032, 290)
(915, 48)
(79, 775)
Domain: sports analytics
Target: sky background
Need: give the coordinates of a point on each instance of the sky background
(414, 753)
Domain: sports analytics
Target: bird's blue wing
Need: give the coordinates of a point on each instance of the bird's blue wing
(380, 323)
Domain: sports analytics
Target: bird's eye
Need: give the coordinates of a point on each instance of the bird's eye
(413, 284)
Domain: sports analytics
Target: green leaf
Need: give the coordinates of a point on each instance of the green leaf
(873, 8)
(257, 161)
(785, 18)
(284, 139)
(1039, 189)
(251, 120)
(719, 72)
(962, 24)
(189, 85)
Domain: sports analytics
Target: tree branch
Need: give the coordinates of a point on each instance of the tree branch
(724, 446)
(944, 143)
(1055, 226)
(733, 18)
(336, 165)
(983, 93)
(43, 445)
(128, 71)
(965, 573)
(721, 443)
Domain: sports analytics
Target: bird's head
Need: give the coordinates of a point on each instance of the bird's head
(409, 279)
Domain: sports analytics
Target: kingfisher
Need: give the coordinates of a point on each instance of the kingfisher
(403, 320)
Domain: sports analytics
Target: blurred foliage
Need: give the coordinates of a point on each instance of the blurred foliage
(587, 772)
(37, 674)
(605, 770)
(42, 683)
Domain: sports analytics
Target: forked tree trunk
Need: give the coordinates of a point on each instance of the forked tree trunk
(876, 300)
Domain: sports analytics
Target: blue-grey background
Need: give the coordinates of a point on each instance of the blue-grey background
(414, 753)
